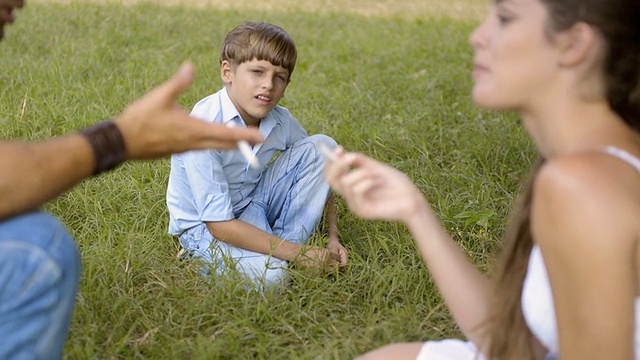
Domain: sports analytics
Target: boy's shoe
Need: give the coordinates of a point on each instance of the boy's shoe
(184, 254)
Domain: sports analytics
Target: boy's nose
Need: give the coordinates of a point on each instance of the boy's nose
(267, 83)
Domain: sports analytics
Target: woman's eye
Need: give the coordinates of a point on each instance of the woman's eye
(503, 20)
(503, 15)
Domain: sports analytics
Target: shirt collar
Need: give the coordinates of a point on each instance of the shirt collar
(230, 114)
(229, 111)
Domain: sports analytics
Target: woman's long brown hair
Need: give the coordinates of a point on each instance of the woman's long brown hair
(509, 334)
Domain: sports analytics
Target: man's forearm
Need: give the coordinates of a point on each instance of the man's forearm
(34, 173)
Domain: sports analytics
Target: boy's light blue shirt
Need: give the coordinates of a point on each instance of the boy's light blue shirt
(213, 185)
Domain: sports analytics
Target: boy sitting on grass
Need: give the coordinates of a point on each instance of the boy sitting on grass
(255, 217)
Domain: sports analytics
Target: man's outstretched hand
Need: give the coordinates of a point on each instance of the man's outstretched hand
(155, 125)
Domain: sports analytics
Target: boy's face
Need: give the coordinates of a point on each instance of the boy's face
(255, 87)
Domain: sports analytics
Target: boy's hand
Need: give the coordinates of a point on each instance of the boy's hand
(318, 258)
(338, 252)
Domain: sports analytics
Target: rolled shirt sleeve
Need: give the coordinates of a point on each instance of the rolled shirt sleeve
(197, 191)
(209, 186)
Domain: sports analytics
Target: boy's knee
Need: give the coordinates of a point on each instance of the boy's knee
(318, 139)
(310, 147)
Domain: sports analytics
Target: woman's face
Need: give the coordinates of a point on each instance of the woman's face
(514, 61)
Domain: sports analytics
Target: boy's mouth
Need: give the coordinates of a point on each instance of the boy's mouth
(263, 98)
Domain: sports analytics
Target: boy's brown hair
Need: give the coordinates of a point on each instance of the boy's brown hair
(260, 41)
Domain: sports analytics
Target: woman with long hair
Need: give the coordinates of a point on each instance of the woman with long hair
(568, 285)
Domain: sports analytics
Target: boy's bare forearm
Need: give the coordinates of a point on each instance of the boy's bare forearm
(332, 219)
(249, 237)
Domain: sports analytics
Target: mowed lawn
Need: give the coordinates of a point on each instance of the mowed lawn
(394, 84)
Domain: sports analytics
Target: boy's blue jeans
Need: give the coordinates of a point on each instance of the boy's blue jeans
(287, 202)
(39, 274)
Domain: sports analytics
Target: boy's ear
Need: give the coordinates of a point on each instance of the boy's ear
(578, 44)
(226, 72)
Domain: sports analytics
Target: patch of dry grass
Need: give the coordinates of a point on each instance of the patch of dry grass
(455, 9)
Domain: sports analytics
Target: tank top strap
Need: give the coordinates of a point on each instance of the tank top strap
(624, 156)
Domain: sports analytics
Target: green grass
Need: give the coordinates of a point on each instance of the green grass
(396, 89)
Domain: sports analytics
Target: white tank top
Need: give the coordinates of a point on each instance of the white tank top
(537, 300)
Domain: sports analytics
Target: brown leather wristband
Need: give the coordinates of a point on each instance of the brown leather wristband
(108, 145)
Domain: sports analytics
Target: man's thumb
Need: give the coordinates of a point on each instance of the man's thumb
(181, 80)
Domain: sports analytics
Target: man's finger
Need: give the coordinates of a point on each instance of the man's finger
(179, 82)
(221, 132)
(211, 135)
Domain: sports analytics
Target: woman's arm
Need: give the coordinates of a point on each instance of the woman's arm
(376, 191)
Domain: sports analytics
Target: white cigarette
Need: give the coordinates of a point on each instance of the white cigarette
(245, 150)
(327, 153)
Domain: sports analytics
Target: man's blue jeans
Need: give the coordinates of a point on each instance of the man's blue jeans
(39, 274)
(287, 202)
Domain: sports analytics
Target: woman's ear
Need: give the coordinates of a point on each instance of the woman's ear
(226, 72)
(578, 44)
